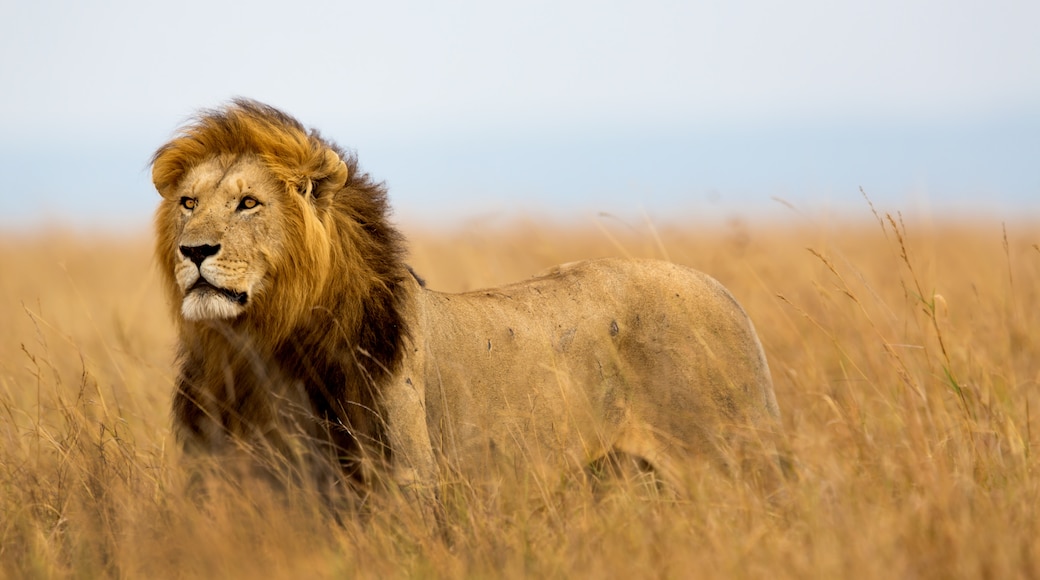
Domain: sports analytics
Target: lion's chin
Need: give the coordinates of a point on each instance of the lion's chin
(207, 304)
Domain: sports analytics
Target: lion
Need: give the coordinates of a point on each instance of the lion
(302, 331)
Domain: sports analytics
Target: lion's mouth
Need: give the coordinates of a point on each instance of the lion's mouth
(203, 285)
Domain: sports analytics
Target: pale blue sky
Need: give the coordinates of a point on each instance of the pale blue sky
(483, 108)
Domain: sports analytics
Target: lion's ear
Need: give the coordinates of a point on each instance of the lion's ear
(167, 169)
(329, 179)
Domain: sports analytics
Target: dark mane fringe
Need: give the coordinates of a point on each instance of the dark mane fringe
(342, 356)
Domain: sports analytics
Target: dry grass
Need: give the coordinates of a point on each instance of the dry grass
(906, 366)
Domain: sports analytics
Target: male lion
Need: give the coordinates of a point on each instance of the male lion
(303, 332)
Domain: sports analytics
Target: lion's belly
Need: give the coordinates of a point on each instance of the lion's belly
(559, 369)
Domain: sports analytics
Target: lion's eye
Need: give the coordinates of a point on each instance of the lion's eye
(248, 202)
(188, 203)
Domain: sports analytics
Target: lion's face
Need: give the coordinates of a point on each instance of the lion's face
(246, 224)
(227, 224)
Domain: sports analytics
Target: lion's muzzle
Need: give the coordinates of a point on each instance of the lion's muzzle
(207, 294)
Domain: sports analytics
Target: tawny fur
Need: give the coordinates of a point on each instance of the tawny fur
(315, 341)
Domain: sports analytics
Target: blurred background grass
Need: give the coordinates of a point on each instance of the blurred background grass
(905, 363)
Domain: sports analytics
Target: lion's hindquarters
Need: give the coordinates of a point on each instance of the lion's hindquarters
(704, 390)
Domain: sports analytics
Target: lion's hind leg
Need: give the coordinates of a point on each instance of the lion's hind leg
(636, 461)
(617, 469)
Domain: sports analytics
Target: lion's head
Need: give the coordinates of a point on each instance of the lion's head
(258, 214)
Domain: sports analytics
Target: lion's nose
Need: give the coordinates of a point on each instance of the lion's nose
(199, 253)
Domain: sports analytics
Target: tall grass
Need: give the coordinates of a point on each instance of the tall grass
(905, 356)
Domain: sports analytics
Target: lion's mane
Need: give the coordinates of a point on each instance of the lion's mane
(333, 313)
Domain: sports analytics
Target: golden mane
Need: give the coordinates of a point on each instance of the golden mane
(335, 315)
(249, 128)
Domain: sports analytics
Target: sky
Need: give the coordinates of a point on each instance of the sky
(480, 110)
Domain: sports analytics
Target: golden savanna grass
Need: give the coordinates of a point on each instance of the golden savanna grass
(905, 356)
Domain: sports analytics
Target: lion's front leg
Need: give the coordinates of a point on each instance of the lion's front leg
(413, 468)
